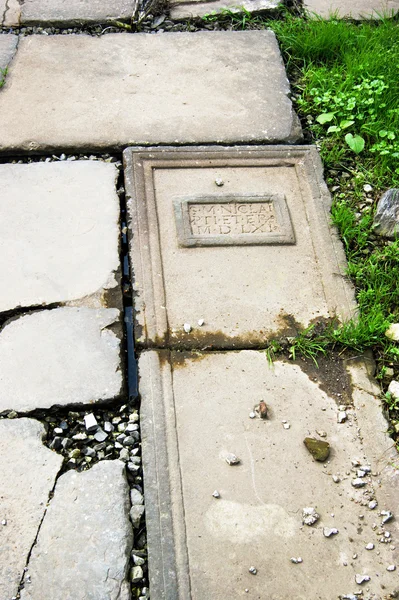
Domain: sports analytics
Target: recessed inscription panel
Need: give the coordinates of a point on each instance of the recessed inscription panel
(233, 220)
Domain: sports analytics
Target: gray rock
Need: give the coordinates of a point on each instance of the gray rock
(310, 516)
(75, 12)
(75, 210)
(8, 46)
(329, 531)
(244, 97)
(85, 540)
(136, 497)
(136, 512)
(90, 422)
(136, 574)
(27, 471)
(59, 357)
(359, 578)
(386, 218)
(100, 435)
(358, 482)
(386, 516)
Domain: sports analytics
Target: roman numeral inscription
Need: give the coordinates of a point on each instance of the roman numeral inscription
(233, 218)
(230, 220)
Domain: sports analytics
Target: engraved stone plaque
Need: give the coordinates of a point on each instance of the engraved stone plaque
(233, 220)
(231, 247)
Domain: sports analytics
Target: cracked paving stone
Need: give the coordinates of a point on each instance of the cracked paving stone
(85, 541)
(59, 233)
(28, 471)
(59, 357)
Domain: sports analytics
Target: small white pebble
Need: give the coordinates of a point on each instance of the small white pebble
(216, 494)
(187, 327)
(373, 504)
(354, 556)
(370, 546)
(391, 568)
(296, 561)
(4, 522)
(252, 415)
(253, 570)
(219, 181)
(329, 531)
(367, 188)
(286, 425)
(201, 322)
(336, 479)
(359, 578)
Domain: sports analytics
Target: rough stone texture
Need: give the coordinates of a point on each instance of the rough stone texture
(386, 218)
(10, 12)
(244, 293)
(202, 547)
(193, 8)
(357, 9)
(75, 12)
(84, 543)
(8, 46)
(79, 91)
(59, 232)
(59, 357)
(27, 471)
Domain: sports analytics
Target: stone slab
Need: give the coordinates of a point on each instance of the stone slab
(79, 91)
(59, 233)
(8, 46)
(195, 411)
(195, 8)
(75, 12)
(10, 11)
(356, 9)
(246, 286)
(27, 471)
(85, 541)
(59, 357)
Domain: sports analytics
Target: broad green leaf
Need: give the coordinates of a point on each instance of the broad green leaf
(325, 118)
(355, 142)
(345, 124)
(333, 129)
(383, 133)
(391, 135)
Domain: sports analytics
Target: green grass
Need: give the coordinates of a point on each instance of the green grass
(3, 73)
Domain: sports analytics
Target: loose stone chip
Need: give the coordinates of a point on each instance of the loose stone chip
(361, 578)
(391, 568)
(358, 483)
(219, 181)
(253, 570)
(370, 546)
(296, 561)
(261, 409)
(232, 459)
(342, 416)
(373, 504)
(309, 516)
(319, 449)
(216, 494)
(187, 327)
(201, 322)
(386, 516)
(329, 531)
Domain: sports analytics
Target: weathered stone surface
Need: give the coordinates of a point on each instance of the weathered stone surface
(59, 232)
(27, 471)
(84, 543)
(357, 9)
(200, 415)
(77, 91)
(195, 8)
(386, 218)
(265, 257)
(10, 11)
(58, 357)
(8, 46)
(75, 12)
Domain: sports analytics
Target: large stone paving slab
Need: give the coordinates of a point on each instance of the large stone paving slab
(194, 8)
(231, 245)
(8, 46)
(356, 9)
(59, 233)
(60, 357)
(75, 12)
(27, 471)
(82, 551)
(201, 546)
(79, 91)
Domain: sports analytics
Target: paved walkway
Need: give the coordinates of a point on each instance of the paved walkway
(227, 478)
